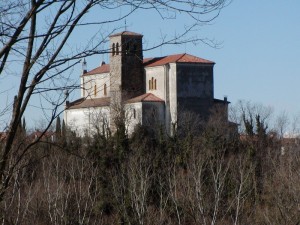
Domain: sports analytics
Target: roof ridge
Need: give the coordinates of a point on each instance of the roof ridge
(146, 95)
(182, 55)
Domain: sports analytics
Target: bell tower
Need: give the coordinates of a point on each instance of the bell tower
(126, 68)
(126, 64)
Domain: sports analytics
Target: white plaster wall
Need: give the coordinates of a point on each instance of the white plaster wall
(89, 81)
(157, 73)
(87, 120)
(131, 122)
(172, 95)
(82, 92)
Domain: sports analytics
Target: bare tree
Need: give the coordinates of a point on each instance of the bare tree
(139, 179)
(37, 38)
(196, 188)
(248, 111)
(282, 123)
(241, 177)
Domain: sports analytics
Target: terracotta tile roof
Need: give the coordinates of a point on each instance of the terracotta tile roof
(181, 58)
(148, 97)
(86, 103)
(99, 102)
(157, 61)
(40, 134)
(126, 33)
(101, 69)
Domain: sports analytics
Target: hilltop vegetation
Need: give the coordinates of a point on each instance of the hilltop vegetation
(205, 174)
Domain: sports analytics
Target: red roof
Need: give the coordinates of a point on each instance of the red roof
(86, 103)
(157, 61)
(99, 102)
(101, 69)
(181, 58)
(41, 134)
(148, 97)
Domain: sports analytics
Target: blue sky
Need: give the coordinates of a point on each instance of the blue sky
(258, 59)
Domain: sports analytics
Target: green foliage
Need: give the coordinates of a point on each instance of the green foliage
(248, 125)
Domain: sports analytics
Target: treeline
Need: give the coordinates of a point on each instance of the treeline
(206, 173)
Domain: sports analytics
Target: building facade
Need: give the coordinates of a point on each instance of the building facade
(141, 91)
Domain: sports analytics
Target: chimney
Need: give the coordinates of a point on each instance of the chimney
(84, 66)
(225, 99)
(66, 98)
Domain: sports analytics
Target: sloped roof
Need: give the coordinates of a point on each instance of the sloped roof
(86, 103)
(101, 69)
(180, 58)
(148, 97)
(99, 102)
(157, 61)
(126, 33)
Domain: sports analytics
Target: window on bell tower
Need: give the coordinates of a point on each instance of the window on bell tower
(113, 49)
(127, 47)
(134, 48)
(117, 48)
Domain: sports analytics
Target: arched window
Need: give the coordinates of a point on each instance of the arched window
(127, 48)
(134, 48)
(95, 90)
(152, 83)
(105, 90)
(117, 48)
(134, 113)
(113, 49)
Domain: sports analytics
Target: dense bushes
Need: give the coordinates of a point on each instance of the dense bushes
(205, 174)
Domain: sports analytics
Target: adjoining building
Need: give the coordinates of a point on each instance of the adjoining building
(147, 91)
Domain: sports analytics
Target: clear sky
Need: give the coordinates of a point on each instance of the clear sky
(260, 55)
(258, 59)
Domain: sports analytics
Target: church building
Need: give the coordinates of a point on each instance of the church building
(147, 91)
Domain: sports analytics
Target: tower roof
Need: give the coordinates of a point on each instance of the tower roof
(126, 33)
